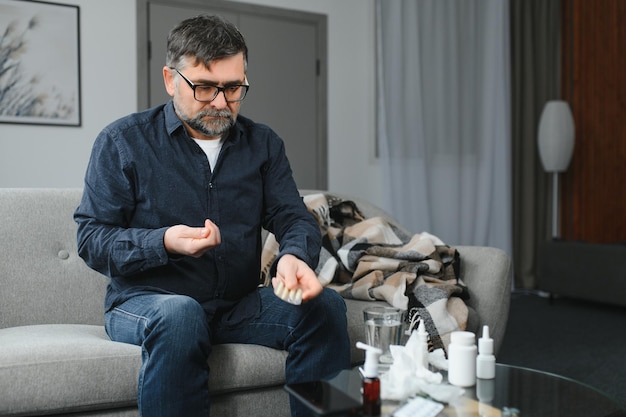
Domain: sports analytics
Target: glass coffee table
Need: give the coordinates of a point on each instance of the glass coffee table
(515, 391)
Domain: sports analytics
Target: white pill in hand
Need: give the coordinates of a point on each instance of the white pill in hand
(293, 297)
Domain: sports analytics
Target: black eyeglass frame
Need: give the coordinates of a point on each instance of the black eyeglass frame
(217, 91)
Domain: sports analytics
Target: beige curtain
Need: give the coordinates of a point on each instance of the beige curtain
(535, 66)
(443, 111)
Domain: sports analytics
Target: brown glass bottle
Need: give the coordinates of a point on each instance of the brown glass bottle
(371, 397)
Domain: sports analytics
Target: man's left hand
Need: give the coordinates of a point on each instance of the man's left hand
(296, 274)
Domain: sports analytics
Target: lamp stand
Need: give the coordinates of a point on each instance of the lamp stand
(555, 205)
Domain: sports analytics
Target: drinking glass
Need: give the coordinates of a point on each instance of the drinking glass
(383, 327)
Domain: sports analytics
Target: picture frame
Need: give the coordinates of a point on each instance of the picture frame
(40, 63)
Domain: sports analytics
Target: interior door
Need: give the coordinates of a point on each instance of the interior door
(287, 89)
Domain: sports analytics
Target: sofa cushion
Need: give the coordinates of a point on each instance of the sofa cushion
(49, 369)
(60, 368)
(237, 367)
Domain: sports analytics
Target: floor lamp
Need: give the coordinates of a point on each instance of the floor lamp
(556, 144)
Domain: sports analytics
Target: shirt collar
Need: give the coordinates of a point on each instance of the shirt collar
(172, 122)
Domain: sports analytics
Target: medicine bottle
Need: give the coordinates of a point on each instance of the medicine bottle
(462, 359)
(371, 382)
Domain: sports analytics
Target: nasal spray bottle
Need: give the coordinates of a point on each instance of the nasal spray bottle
(371, 382)
(485, 373)
(485, 361)
(422, 334)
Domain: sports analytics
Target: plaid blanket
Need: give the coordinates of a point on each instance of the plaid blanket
(370, 259)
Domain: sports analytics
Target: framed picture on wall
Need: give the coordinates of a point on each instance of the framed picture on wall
(39, 63)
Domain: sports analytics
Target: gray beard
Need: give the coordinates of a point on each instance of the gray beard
(217, 127)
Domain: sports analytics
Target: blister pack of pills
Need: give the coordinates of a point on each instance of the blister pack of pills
(419, 407)
(291, 296)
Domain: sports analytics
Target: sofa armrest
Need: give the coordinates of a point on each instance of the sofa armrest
(487, 273)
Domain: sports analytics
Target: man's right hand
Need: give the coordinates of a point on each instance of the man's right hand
(192, 241)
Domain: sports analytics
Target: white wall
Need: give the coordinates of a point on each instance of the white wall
(56, 156)
(52, 156)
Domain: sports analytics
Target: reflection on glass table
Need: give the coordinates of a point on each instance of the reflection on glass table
(515, 391)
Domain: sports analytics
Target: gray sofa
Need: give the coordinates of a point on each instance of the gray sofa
(56, 359)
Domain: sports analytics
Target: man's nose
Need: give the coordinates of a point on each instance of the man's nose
(220, 100)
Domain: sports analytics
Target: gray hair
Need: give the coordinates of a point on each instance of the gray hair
(204, 39)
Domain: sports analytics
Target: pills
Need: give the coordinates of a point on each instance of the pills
(291, 296)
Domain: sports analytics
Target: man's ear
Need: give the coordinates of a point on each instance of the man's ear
(168, 79)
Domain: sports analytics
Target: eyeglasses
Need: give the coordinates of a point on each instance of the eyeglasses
(208, 93)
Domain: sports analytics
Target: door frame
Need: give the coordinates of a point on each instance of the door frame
(318, 20)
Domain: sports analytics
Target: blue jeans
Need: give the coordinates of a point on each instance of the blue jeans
(176, 338)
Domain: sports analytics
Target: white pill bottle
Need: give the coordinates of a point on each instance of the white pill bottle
(462, 353)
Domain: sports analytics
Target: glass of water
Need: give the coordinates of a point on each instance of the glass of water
(383, 327)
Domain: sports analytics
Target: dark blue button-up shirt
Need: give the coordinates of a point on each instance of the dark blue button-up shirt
(146, 174)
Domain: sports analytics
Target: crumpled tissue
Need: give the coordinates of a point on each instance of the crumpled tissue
(407, 376)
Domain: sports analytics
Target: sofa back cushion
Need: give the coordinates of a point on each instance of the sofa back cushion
(42, 278)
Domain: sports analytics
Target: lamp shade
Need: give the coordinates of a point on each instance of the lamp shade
(556, 136)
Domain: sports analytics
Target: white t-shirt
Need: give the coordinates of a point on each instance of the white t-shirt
(211, 148)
